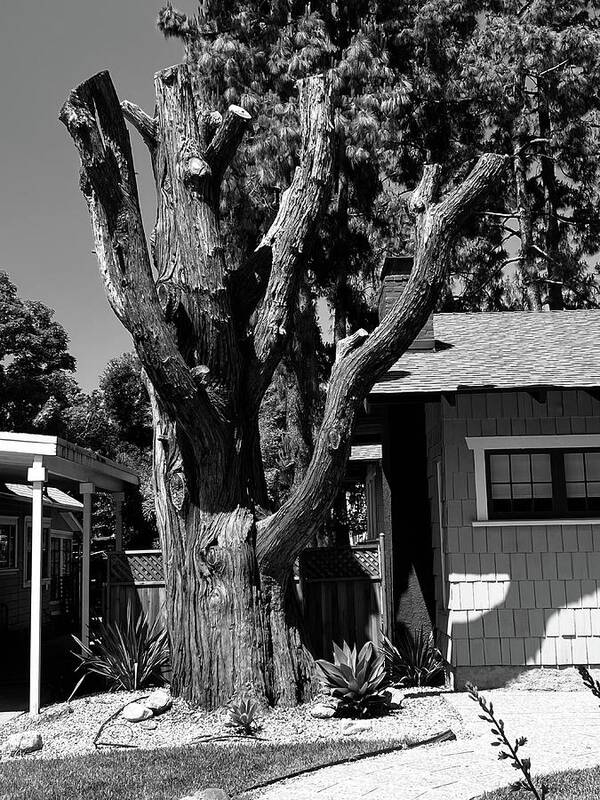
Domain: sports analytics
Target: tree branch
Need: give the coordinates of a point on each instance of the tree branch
(226, 140)
(94, 119)
(288, 239)
(284, 534)
(144, 124)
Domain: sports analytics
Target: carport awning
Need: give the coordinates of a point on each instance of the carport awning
(39, 461)
(67, 463)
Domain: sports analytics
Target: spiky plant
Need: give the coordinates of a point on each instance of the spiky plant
(128, 657)
(414, 661)
(356, 680)
(506, 750)
(243, 715)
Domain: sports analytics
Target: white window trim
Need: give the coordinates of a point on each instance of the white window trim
(480, 444)
(46, 523)
(12, 521)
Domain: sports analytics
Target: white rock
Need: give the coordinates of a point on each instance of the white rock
(396, 697)
(322, 711)
(353, 726)
(136, 712)
(19, 744)
(159, 701)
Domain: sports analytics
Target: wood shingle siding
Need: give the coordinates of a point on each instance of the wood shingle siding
(518, 594)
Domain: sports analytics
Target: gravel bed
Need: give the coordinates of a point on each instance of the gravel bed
(70, 730)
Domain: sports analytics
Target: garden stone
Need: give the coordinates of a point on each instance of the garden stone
(159, 701)
(396, 697)
(353, 726)
(136, 712)
(322, 711)
(19, 744)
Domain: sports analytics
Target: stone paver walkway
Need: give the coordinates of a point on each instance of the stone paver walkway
(562, 728)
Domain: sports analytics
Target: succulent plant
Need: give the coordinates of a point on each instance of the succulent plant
(415, 661)
(242, 715)
(357, 680)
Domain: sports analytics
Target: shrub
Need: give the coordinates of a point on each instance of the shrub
(415, 661)
(510, 751)
(356, 680)
(127, 658)
(242, 715)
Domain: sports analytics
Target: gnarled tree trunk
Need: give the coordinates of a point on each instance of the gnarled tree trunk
(209, 336)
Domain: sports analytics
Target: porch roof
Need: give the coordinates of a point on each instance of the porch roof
(502, 350)
(68, 464)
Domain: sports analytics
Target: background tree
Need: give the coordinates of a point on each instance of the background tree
(36, 368)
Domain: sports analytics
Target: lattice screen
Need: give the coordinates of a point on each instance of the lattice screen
(340, 562)
(136, 567)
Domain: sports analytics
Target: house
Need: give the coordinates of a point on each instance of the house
(490, 434)
(41, 523)
(60, 539)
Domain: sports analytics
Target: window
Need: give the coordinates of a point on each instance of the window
(45, 552)
(543, 484)
(8, 543)
(61, 552)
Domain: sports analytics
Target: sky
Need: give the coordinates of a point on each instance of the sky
(46, 48)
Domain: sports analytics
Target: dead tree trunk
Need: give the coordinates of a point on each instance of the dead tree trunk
(209, 338)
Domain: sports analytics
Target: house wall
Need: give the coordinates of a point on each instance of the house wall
(519, 596)
(14, 596)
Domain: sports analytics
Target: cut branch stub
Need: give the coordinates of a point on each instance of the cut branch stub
(289, 237)
(226, 139)
(142, 122)
(94, 118)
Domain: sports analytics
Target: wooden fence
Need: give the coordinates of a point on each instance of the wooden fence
(341, 594)
(340, 590)
(135, 578)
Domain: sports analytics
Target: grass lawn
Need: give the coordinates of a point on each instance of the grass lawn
(577, 784)
(172, 773)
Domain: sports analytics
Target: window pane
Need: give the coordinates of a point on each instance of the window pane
(7, 546)
(520, 468)
(574, 467)
(593, 489)
(540, 467)
(501, 491)
(575, 489)
(592, 466)
(542, 490)
(521, 490)
(499, 469)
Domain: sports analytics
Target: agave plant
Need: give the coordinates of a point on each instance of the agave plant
(415, 661)
(242, 715)
(356, 680)
(128, 657)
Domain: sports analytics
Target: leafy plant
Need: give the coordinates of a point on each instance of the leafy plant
(592, 685)
(415, 661)
(356, 680)
(127, 658)
(242, 715)
(512, 751)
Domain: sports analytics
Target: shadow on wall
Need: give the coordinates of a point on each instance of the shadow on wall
(511, 612)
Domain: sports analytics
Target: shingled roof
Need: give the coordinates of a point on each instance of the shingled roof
(502, 350)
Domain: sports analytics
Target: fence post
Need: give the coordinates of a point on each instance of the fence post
(383, 584)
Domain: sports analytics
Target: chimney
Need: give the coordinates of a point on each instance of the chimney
(394, 277)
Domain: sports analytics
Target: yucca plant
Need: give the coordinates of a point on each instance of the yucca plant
(128, 657)
(357, 680)
(414, 661)
(242, 715)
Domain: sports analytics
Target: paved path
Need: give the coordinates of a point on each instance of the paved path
(6, 716)
(563, 731)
